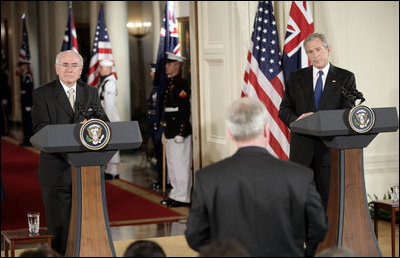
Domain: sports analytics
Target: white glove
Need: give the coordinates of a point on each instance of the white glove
(179, 139)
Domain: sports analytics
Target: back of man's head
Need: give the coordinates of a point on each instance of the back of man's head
(144, 248)
(246, 119)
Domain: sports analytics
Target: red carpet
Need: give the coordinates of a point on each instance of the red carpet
(23, 194)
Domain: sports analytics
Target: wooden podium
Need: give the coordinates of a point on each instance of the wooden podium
(89, 231)
(350, 224)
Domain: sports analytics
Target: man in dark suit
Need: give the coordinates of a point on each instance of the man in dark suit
(270, 206)
(307, 91)
(56, 103)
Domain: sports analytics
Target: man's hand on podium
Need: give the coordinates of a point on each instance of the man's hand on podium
(304, 115)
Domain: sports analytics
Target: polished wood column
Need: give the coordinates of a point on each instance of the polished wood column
(350, 222)
(89, 232)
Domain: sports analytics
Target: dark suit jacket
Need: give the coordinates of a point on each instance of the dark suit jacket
(269, 205)
(51, 106)
(299, 99)
(177, 95)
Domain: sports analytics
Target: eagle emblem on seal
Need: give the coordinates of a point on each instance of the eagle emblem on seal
(361, 118)
(94, 134)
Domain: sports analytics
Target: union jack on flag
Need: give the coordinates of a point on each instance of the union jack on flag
(101, 51)
(169, 42)
(70, 41)
(263, 78)
(24, 52)
(300, 25)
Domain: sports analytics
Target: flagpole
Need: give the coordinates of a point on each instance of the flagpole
(163, 172)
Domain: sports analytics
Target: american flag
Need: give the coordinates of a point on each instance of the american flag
(263, 78)
(101, 51)
(70, 41)
(300, 25)
(169, 42)
(24, 53)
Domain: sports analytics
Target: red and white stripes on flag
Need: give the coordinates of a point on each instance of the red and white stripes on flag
(101, 51)
(263, 77)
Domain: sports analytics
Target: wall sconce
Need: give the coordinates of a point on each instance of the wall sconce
(139, 29)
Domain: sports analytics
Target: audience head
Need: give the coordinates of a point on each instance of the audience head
(228, 247)
(247, 120)
(144, 248)
(42, 251)
(336, 252)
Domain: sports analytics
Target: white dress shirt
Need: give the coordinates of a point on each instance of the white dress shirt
(316, 75)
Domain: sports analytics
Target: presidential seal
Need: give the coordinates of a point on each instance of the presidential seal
(361, 119)
(94, 134)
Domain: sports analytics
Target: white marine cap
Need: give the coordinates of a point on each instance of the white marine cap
(106, 62)
(172, 57)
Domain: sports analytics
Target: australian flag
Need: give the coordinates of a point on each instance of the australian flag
(300, 25)
(70, 41)
(169, 42)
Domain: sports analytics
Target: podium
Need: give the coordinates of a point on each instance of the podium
(348, 215)
(89, 231)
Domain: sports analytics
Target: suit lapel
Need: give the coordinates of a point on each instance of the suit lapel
(62, 99)
(330, 86)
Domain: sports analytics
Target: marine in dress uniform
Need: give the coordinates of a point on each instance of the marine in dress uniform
(178, 131)
(26, 101)
(108, 92)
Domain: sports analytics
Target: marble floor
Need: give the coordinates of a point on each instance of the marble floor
(135, 167)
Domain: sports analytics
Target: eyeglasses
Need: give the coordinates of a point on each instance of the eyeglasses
(72, 66)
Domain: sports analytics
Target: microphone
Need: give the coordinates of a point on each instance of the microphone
(93, 111)
(350, 97)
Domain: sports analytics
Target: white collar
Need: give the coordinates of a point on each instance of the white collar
(66, 88)
(325, 70)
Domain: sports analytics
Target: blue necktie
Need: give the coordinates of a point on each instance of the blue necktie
(318, 90)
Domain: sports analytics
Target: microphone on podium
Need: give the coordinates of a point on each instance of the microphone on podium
(93, 111)
(351, 96)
